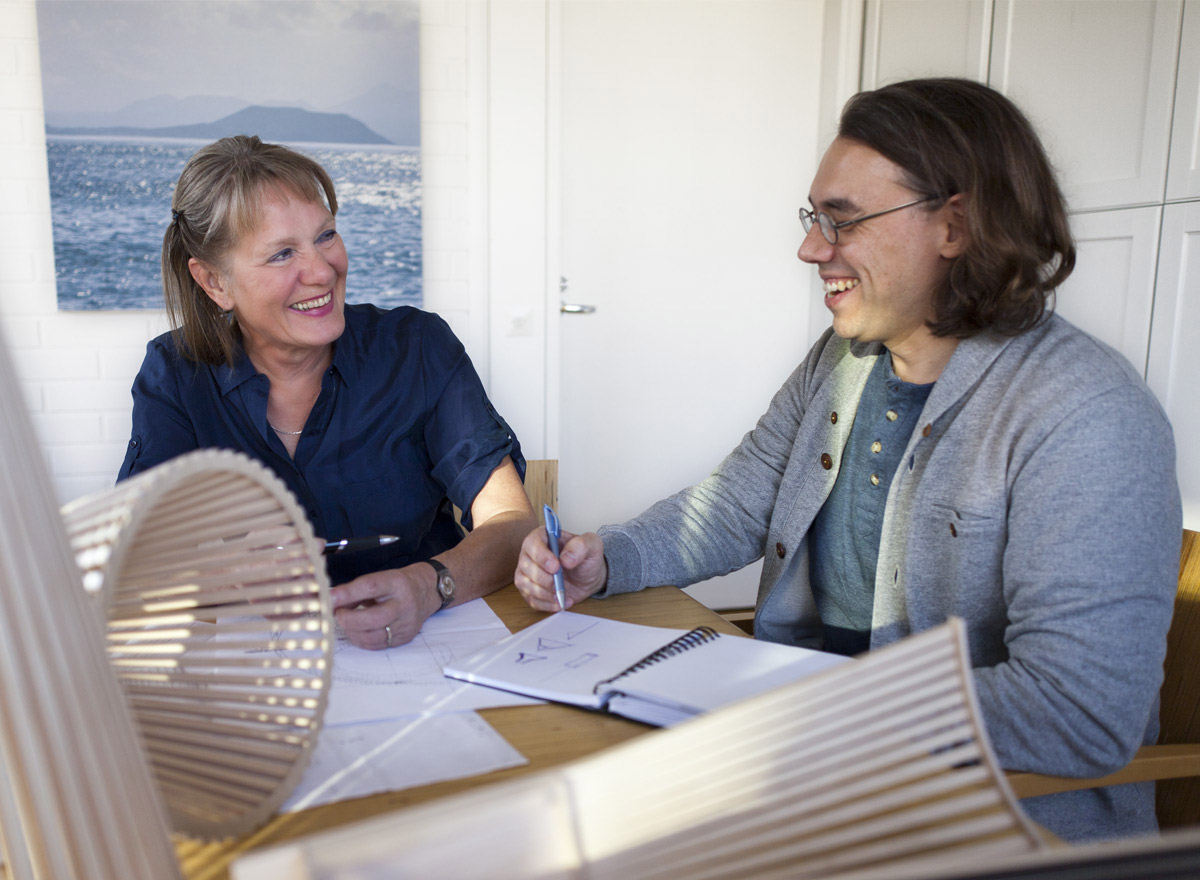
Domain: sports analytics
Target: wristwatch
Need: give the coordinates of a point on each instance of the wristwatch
(445, 582)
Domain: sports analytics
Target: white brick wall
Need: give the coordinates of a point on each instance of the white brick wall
(76, 368)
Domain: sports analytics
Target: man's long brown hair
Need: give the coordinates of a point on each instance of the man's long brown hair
(953, 136)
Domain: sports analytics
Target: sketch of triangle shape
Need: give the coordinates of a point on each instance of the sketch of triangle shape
(523, 657)
(545, 644)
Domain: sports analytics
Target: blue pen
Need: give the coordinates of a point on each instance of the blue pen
(553, 533)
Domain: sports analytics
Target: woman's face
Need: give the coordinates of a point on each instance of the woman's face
(285, 281)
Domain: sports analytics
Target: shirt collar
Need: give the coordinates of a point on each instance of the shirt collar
(229, 378)
(345, 365)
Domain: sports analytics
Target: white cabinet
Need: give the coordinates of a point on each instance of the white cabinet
(1111, 292)
(1183, 177)
(1097, 78)
(1174, 363)
(1113, 88)
(903, 39)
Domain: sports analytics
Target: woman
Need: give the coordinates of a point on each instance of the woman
(375, 419)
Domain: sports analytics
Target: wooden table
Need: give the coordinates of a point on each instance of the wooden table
(547, 735)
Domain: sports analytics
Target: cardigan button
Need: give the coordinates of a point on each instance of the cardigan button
(833, 417)
(927, 430)
(826, 460)
(780, 550)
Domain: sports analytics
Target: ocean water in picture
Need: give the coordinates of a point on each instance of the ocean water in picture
(111, 203)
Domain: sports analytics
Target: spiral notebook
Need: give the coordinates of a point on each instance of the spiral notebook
(650, 674)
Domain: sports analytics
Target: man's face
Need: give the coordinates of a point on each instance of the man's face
(881, 276)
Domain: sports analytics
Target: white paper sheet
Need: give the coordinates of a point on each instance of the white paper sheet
(393, 721)
(407, 680)
(363, 759)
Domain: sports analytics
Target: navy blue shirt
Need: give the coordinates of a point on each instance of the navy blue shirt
(844, 539)
(402, 428)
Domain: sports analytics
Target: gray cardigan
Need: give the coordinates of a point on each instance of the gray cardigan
(1036, 499)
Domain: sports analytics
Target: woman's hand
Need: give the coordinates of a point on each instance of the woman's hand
(401, 599)
(584, 570)
(386, 608)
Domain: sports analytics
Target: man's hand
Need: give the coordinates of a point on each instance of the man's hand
(584, 570)
(386, 608)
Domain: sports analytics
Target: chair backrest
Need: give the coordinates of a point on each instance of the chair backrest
(1179, 799)
(541, 483)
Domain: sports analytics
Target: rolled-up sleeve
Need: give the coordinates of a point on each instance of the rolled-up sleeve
(465, 437)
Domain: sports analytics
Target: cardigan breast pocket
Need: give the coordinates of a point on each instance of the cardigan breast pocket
(962, 521)
(962, 545)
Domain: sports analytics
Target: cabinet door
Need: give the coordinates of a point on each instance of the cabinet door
(1096, 77)
(1183, 178)
(1174, 364)
(1111, 292)
(903, 39)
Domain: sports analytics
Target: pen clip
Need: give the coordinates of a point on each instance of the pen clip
(552, 526)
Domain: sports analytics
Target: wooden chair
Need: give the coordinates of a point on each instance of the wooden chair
(742, 618)
(541, 483)
(1177, 754)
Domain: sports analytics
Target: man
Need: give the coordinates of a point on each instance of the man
(949, 447)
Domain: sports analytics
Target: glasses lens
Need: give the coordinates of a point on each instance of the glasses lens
(806, 219)
(828, 228)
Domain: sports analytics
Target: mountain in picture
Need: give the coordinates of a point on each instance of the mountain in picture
(274, 124)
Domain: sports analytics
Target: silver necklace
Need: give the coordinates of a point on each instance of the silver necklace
(285, 433)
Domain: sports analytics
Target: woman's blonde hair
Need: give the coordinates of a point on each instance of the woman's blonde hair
(217, 199)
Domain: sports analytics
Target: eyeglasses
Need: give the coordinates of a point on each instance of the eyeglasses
(829, 228)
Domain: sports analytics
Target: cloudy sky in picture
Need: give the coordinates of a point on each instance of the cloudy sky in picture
(173, 62)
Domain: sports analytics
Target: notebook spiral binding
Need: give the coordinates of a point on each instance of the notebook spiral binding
(691, 639)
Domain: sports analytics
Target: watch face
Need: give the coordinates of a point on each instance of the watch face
(445, 585)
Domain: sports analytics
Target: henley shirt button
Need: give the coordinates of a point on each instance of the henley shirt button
(927, 430)
(833, 417)
(874, 479)
(877, 447)
(826, 460)
(780, 551)
(891, 415)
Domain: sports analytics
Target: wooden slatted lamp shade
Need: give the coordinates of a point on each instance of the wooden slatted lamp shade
(216, 605)
(77, 801)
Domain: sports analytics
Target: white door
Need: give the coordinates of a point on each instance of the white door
(687, 141)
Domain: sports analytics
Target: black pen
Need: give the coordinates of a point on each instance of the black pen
(348, 544)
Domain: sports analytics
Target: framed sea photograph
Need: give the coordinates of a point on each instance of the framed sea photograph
(133, 88)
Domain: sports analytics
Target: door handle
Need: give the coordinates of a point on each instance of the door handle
(572, 308)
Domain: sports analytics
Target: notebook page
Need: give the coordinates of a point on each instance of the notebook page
(713, 674)
(562, 657)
